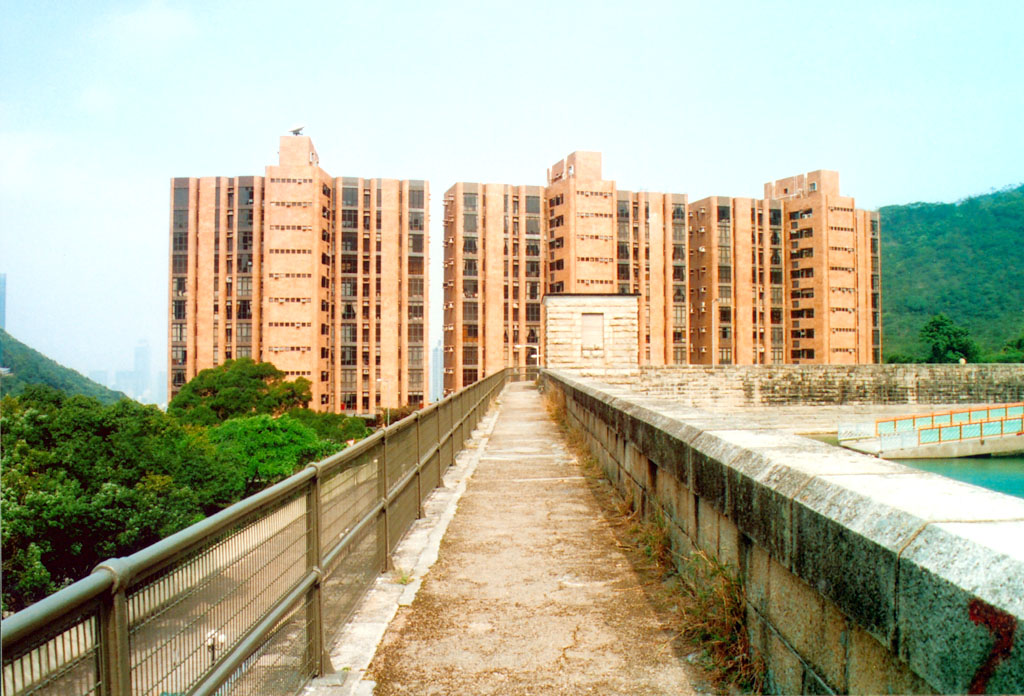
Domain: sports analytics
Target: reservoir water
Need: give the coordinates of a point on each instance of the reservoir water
(1003, 474)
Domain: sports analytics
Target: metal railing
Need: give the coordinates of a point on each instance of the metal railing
(904, 424)
(1013, 425)
(247, 600)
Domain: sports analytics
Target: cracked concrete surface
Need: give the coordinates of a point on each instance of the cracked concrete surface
(530, 593)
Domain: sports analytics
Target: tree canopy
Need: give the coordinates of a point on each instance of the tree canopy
(82, 481)
(265, 450)
(947, 342)
(236, 388)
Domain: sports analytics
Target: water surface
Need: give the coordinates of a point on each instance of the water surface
(1003, 474)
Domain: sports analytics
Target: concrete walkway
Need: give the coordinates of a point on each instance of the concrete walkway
(530, 593)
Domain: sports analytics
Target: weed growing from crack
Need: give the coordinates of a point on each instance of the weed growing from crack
(403, 576)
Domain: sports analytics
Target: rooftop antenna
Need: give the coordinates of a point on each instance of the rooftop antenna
(296, 130)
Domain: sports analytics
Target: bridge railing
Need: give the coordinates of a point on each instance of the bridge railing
(969, 431)
(901, 424)
(247, 600)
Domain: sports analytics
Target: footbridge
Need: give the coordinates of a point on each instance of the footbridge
(962, 432)
(858, 574)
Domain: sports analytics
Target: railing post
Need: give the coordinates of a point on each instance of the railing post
(440, 471)
(419, 471)
(115, 662)
(314, 561)
(382, 493)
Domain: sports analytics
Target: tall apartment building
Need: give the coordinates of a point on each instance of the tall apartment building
(505, 246)
(790, 278)
(326, 278)
(493, 279)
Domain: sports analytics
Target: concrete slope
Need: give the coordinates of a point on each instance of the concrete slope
(530, 593)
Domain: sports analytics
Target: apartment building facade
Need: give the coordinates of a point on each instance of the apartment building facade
(326, 278)
(793, 277)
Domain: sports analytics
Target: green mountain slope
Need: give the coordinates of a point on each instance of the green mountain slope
(964, 259)
(29, 366)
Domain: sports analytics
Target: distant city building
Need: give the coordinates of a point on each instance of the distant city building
(793, 277)
(324, 277)
(143, 377)
(437, 371)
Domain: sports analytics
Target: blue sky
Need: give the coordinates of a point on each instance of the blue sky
(102, 102)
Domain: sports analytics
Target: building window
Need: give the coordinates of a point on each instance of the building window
(416, 198)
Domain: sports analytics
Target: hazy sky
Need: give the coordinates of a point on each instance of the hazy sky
(102, 102)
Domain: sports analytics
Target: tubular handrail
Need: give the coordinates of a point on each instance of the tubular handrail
(100, 606)
(48, 610)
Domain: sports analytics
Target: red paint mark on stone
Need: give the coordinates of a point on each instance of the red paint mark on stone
(1002, 626)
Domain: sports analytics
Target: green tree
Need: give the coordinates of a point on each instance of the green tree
(237, 388)
(333, 427)
(82, 482)
(1012, 352)
(947, 342)
(265, 450)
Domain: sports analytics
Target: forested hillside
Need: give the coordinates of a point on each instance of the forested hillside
(29, 366)
(964, 260)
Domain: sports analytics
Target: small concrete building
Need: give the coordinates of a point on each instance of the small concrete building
(594, 335)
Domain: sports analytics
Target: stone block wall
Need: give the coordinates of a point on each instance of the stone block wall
(777, 385)
(860, 575)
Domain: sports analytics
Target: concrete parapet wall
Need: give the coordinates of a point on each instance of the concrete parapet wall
(776, 385)
(860, 575)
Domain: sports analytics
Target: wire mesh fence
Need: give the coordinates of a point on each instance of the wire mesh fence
(244, 601)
